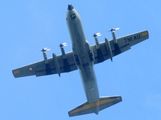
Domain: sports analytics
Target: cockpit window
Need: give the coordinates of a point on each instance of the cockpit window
(73, 16)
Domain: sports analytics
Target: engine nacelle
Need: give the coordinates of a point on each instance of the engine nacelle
(44, 54)
(113, 34)
(96, 39)
(99, 52)
(65, 61)
(114, 37)
(62, 45)
(117, 48)
(47, 65)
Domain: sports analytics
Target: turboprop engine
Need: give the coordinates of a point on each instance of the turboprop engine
(117, 48)
(99, 52)
(48, 69)
(44, 54)
(66, 63)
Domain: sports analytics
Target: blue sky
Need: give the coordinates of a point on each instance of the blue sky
(29, 25)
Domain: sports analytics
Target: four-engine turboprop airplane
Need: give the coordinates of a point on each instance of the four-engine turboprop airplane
(83, 57)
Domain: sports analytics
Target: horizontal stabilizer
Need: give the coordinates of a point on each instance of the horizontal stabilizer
(95, 107)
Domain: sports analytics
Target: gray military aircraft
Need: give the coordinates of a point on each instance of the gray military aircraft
(83, 57)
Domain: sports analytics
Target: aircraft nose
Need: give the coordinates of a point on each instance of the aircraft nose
(70, 7)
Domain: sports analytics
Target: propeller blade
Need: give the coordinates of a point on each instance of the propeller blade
(97, 34)
(114, 29)
(63, 44)
(45, 49)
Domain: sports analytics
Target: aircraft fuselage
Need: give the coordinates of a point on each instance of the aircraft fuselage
(82, 55)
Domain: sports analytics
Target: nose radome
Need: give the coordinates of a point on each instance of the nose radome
(70, 7)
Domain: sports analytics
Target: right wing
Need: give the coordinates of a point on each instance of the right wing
(55, 65)
(109, 49)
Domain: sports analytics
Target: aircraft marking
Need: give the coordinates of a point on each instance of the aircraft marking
(73, 16)
(132, 38)
(30, 68)
(144, 34)
(16, 72)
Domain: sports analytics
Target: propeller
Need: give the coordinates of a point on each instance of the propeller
(97, 34)
(63, 44)
(114, 29)
(45, 49)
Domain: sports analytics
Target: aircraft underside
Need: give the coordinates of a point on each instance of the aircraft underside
(83, 58)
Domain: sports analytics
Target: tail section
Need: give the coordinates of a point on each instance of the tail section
(95, 107)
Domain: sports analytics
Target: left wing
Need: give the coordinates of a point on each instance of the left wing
(109, 49)
(55, 65)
